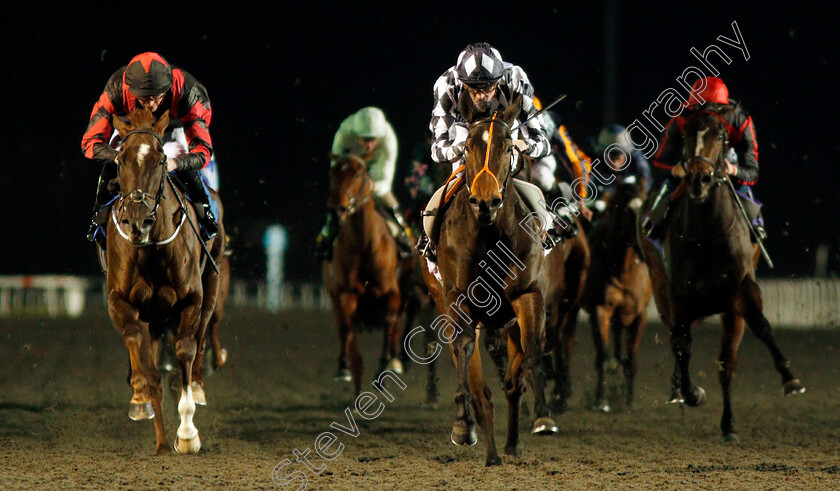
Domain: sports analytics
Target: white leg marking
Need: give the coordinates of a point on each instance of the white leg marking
(186, 408)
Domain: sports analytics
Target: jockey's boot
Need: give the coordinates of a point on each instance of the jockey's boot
(404, 248)
(201, 203)
(105, 190)
(325, 239)
(425, 248)
(758, 225)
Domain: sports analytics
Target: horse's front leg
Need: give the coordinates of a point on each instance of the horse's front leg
(681, 347)
(482, 403)
(530, 316)
(392, 338)
(186, 349)
(601, 321)
(733, 331)
(210, 290)
(463, 428)
(147, 401)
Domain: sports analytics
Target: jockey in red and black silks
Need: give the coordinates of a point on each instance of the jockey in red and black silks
(150, 81)
(711, 94)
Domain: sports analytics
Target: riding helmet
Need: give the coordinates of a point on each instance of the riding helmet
(480, 66)
(710, 89)
(369, 122)
(148, 74)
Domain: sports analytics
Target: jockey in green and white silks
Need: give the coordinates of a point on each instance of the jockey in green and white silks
(368, 134)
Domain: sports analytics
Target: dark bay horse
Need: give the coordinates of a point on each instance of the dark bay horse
(363, 278)
(158, 278)
(708, 267)
(493, 276)
(617, 289)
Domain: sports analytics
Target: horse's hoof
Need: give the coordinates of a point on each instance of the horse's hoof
(464, 435)
(544, 426)
(729, 438)
(675, 398)
(515, 451)
(139, 411)
(601, 406)
(395, 365)
(198, 394)
(343, 375)
(793, 387)
(493, 461)
(163, 450)
(613, 365)
(220, 358)
(188, 445)
(698, 398)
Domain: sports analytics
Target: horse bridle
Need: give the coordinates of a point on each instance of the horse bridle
(492, 120)
(356, 201)
(715, 178)
(138, 195)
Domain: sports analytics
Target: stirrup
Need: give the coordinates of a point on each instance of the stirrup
(424, 248)
(209, 227)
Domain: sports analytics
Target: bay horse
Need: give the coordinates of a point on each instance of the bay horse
(708, 266)
(363, 277)
(158, 279)
(481, 231)
(618, 289)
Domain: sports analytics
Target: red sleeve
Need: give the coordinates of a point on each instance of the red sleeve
(192, 106)
(99, 129)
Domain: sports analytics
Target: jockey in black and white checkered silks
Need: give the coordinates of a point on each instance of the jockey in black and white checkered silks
(492, 84)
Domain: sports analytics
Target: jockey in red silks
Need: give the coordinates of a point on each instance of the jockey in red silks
(709, 94)
(149, 81)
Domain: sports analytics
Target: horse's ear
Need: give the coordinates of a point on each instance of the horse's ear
(512, 112)
(466, 106)
(161, 124)
(121, 126)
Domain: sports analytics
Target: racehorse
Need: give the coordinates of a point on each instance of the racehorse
(708, 266)
(363, 276)
(479, 232)
(618, 289)
(158, 279)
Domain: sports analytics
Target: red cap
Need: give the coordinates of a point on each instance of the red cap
(710, 89)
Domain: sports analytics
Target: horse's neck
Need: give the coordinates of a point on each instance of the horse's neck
(361, 225)
(710, 219)
(169, 216)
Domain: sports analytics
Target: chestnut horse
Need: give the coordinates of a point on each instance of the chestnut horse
(617, 289)
(363, 276)
(493, 276)
(158, 278)
(708, 266)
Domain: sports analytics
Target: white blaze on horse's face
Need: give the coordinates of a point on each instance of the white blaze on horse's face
(700, 143)
(142, 152)
(485, 137)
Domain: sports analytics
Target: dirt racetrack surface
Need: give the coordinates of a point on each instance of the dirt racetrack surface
(64, 403)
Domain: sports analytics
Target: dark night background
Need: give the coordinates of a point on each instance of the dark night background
(282, 79)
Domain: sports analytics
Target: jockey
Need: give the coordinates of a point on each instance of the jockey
(491, 84)
(368, 134)
(149, 81)
(623, 161)
(709, 94)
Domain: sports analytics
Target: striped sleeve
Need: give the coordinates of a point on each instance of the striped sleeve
(534, 131)
(449, 131)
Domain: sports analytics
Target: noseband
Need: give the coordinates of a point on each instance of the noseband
(492, 121)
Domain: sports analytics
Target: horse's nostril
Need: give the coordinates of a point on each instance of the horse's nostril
(495, 202)
(124, 221)
(148, 222)
(706, 179)
(473, 201)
